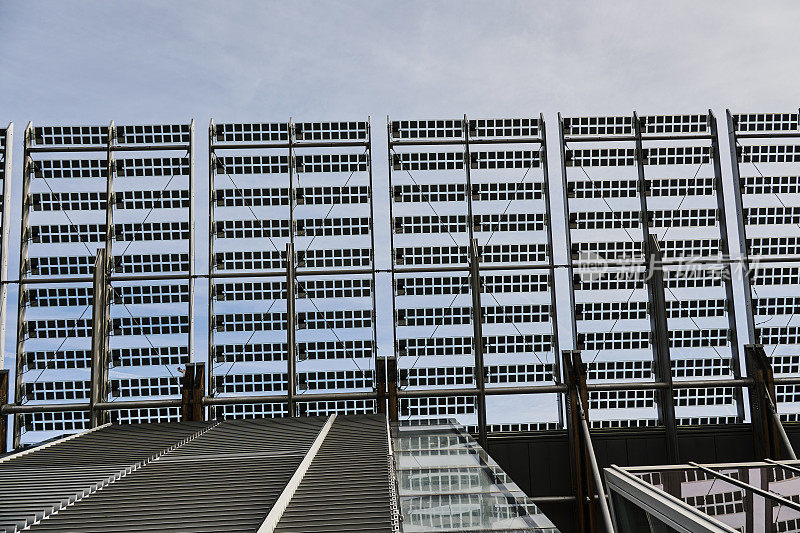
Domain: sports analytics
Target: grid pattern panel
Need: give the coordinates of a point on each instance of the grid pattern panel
(611, 208)
(146, 198)
(308, 184)
(767, 169)
(441, 195)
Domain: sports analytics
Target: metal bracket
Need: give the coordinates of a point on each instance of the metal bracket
(193, 389)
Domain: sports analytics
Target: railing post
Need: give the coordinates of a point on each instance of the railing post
(192, 392)
(100, 317)
(290, 331)
(768, 431)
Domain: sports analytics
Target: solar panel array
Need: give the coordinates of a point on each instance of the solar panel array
(626, 178)
(452, 181)
(127, 190)
(308, 185)
(766, 165)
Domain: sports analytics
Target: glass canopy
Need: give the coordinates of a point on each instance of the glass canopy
(447, 482)
(746, 498)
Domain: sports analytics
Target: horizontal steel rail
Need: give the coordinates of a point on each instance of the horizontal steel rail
(104, 148)
(645, 137)
(416, 393)
(295, 144)
(460, 141)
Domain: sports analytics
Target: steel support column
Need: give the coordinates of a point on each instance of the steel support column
(22, 330)
(475, 289)
(6, 222)
(574, 376)
(663, 362)
(379, 384)
(733, 335)
(192, 392)
(386, 387)
(551, 274)
(740, 227)
(101, 289)
(291, 347)
(768, 432)
(190, 339)
(654, 277)
(212, 169)
(3, 417)
(477, 341)
(586, 479)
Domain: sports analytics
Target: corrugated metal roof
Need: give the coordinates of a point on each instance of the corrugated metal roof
(37, 483)
(347, 487)
(215, 476)
(226, 479)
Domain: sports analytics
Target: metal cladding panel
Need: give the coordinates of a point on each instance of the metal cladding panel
(231, 474)
(36, 483)
(348, 486)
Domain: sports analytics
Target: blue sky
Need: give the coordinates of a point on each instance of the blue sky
(91, 62)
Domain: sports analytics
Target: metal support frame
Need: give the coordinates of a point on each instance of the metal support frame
(5, 222)
(473, 268)
(291, 343)
(740, 228)
(386, 387)
(663, 367)
(193, 391)
(476, 287)
(768, 432)
(100, 386)
(654, 276)
(212, 170)
(727, 271)
(3, 417)
(586, 480)
(652, 263)
(27, 168)
(764, 415)
(190, 335)
(291, 262)
(109, 148)
(477, 341)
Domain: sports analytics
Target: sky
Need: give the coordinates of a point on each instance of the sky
(91, 62)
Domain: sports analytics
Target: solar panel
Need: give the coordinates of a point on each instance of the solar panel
(308, 184)
(141, 213)
(447, 188)
(765, 172)
(665, 166)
